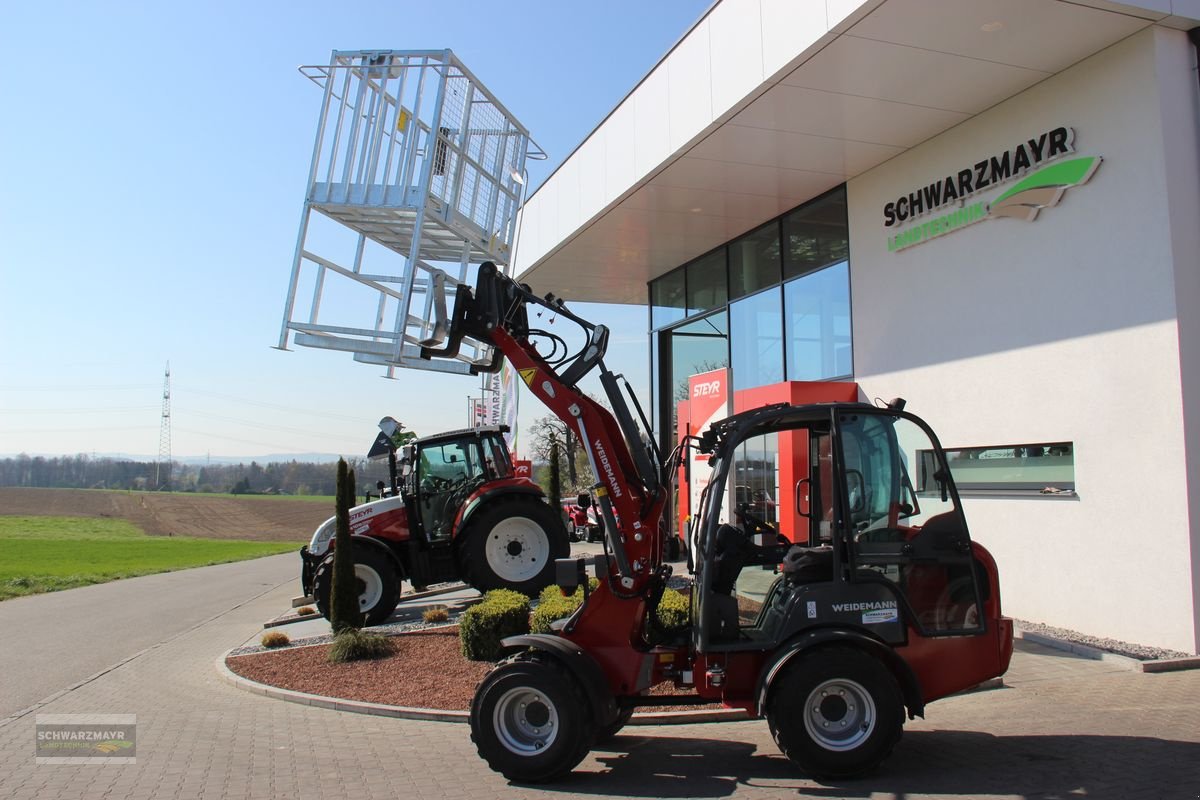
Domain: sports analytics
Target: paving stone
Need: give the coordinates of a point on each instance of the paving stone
(1063, 726)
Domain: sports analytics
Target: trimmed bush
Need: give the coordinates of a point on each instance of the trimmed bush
(673, 609)
(552, 605)
(354, 645)
(501, 613)
(439, 614)
(275, 639)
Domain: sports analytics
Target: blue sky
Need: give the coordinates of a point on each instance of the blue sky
(152, 172)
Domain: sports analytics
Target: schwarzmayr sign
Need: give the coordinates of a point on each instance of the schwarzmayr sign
(1042, 187)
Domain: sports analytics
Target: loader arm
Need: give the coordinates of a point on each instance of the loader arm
(630, 476)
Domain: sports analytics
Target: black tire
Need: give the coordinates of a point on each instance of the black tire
(613, 728)
(530, 719)
(376, 574)
(512, 543)
(836, 712)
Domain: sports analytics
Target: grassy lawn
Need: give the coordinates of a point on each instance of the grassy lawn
(44, 554)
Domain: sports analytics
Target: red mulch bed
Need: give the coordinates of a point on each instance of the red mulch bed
(427, 670)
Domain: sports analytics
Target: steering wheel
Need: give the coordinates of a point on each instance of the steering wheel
(755, 524)
(436, 483)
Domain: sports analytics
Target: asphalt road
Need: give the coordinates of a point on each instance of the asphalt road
(52, 642)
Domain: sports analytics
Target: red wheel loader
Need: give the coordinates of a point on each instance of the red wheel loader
(835, 626)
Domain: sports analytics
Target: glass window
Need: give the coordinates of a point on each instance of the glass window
(817, 315)
(699, 346)
(756, 340)
(667, 299)
(754, 261)
(816, 235)
(706, 277)
(1046, 468)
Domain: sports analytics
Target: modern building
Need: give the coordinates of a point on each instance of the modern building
(990, 208)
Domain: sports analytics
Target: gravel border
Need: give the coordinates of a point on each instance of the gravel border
(1140, 652)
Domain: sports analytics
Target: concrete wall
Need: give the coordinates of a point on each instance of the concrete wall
(1064, 328)
(682, 98)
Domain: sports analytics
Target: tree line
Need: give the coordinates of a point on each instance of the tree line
(277, 477)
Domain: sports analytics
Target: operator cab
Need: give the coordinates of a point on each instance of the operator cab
(867, 533)
(441, 471)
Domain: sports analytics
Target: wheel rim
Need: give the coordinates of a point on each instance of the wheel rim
(517, 549)
(839, 714)
(370, 586)
(525, 721)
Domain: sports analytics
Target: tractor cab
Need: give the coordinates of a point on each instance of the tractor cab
(440, 472)
(875, 545)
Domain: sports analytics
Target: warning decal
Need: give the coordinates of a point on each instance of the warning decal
(528, 375)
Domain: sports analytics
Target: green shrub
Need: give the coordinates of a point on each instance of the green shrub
(344, 612)
(354, 645)
(552, 605)
(501, 613)
(275, 639)
(673, 609)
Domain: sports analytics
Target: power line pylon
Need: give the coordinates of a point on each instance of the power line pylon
(162, 471)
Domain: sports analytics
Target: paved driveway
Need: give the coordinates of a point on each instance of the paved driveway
(1065, 728)
(50, 642)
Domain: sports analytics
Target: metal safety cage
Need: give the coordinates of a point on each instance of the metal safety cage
(420, 162)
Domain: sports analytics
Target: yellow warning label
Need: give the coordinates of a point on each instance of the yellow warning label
(528, 375)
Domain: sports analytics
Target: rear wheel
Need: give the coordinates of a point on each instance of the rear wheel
(835, 712)
(530, 719)
(512, 544)
(377, 581)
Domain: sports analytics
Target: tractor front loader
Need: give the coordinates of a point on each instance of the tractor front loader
(835, 625)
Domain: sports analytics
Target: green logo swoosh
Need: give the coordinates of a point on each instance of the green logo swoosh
(1043, 188)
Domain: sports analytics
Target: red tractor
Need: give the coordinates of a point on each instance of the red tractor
(457, 512)
(835, 625)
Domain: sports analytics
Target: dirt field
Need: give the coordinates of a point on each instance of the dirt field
(261, 519)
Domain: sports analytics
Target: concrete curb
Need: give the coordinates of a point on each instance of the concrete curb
(438, 715)
(300, 602)
(1096, 654)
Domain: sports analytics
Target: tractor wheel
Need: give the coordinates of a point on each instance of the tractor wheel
(378, 584)
(613, 728)
(530, 719)
(512, 544)
(836, 712)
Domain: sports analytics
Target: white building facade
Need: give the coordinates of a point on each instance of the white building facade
(991, 209)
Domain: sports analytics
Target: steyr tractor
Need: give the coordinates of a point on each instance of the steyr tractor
(458, 512)
(835, 625)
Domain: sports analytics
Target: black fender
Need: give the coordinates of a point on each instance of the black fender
(910, 687)
(578, 663)
(480, 500)
(383, 547)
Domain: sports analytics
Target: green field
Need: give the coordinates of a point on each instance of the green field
(44, 554)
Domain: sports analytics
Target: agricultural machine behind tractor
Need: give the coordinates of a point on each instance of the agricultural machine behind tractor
(457, 511)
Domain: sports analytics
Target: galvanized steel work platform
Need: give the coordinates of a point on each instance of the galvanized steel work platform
(422, 170)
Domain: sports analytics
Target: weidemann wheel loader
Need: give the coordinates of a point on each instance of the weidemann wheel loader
(870, 605)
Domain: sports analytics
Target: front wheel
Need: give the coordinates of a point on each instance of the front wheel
(375, 577)
(835, 712)
(512, 544)
(530, 720)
